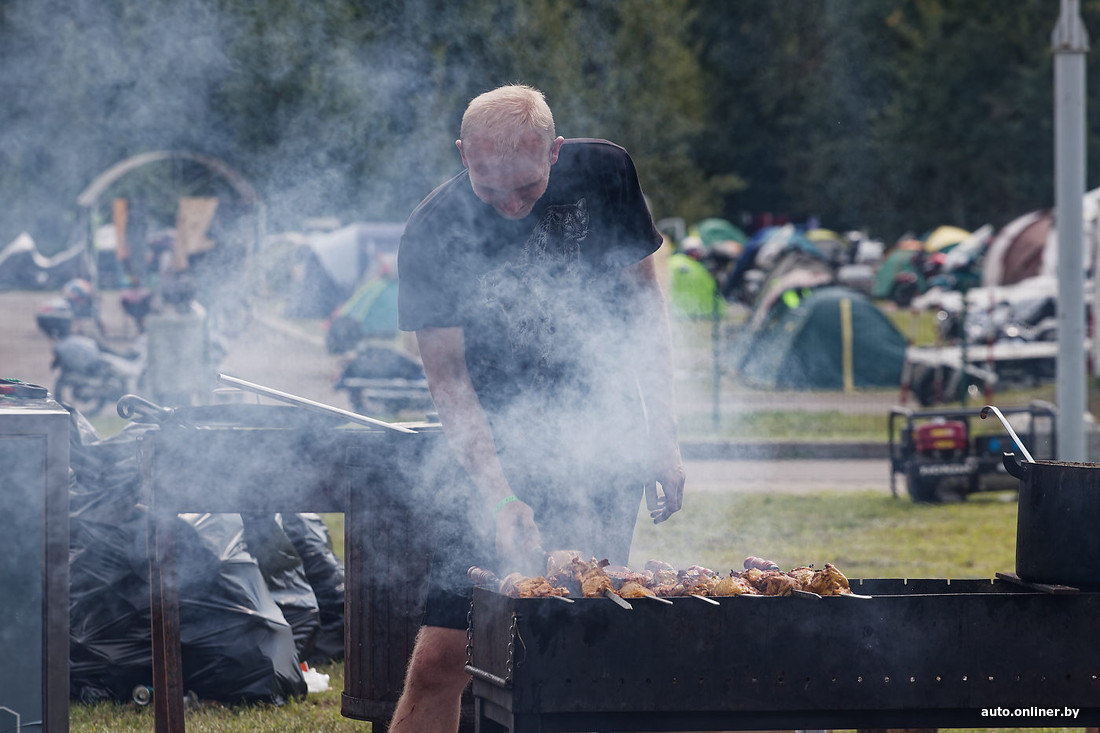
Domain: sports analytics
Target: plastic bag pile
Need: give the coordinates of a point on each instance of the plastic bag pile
(259, 594)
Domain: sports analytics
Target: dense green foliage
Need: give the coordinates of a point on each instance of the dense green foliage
(891, 115)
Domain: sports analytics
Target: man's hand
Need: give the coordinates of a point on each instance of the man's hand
(518, 542)
(669, 473)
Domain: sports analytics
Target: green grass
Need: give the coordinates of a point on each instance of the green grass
(764, 425)
(865, 534)
(317, 713)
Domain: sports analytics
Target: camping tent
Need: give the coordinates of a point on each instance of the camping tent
(692, 289)
(1027, 246)
(1016, 252)
(944, 237)
(719, 233)
(825, 338)
(898, 261)
(333, 263)
(371, 311)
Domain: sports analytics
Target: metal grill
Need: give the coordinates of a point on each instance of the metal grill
(918, 653)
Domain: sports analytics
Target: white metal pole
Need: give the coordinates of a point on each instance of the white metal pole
(1070, 44)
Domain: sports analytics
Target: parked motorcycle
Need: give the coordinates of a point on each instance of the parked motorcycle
(93, 374)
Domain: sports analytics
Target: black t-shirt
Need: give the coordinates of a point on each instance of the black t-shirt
(541, 302)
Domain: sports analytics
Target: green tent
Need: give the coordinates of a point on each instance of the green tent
(897, 262)
(712, 231)
(371, 312)
(692, 289)
(825, 338)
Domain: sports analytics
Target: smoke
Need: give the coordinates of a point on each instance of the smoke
(327, 110)
(313, 108)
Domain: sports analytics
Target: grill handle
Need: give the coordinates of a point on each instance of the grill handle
(1015, 469)
(1015, 438)
(489, 677)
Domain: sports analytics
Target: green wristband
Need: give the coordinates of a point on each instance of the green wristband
(500, 504)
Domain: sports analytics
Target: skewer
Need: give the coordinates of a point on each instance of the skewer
(658, 599)
(619, 600)
(704, 598)
(806, 594)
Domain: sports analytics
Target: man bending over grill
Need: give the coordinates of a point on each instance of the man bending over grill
(529, 281)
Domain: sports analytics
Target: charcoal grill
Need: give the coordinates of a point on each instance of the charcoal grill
(917, 653)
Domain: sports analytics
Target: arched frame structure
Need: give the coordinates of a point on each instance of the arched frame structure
(89, 199)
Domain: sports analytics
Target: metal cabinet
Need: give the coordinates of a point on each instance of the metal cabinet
(34, 566)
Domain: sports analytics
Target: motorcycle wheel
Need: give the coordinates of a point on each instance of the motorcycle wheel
(78, 396)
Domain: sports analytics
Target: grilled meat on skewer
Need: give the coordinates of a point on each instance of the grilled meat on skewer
(560, 561)
(634, 589)
(829, 582)
(759, 563)
(734, 585)
(620, 575)
(662, 572)
(568, 575)
(594, 581)
(518, 586)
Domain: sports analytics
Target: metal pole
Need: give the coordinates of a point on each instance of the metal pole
(716, 356)
(1070, 44)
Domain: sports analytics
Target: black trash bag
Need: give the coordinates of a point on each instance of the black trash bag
(235, 642)
(325, 572)
(285, 577)
(109, 622)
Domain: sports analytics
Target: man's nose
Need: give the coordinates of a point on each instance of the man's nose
(512, 203)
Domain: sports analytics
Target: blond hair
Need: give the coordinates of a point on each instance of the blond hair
(507, 116)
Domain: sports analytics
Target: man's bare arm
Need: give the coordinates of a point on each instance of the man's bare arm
(470, 436)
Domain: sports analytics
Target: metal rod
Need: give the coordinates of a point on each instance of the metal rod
(619, 600)
(1016, 438)
(310, 404)
(704, 598)
(488, 676)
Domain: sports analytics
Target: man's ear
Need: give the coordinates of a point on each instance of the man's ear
(555, 147)
(463, 153)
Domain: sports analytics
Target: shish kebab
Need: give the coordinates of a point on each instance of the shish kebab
(568, 575)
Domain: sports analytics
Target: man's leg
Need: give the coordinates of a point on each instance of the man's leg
(434, 683)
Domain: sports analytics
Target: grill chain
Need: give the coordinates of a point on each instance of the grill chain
(470, 635)
(513, 633)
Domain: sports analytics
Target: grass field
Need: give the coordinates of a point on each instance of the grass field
(867, 535)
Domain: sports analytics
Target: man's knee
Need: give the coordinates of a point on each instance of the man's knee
(438, 660)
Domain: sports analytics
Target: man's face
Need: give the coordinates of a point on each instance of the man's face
(514, 184)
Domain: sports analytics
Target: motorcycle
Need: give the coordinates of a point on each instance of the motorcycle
(93, 374)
